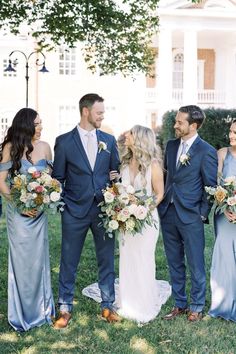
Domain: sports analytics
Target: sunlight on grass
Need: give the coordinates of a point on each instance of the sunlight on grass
(55, 270)
(83, 320)
(141, 346)
(101, 333)
(9, 337)
(31, 350)
(63, 345)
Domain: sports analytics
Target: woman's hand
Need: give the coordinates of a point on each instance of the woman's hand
(31, 213)
(230, 216)
(114, 175)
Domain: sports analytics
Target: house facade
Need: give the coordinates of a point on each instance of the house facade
(196, 56)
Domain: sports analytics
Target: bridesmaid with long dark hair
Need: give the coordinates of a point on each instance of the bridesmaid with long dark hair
(30, 299)
(223, 269)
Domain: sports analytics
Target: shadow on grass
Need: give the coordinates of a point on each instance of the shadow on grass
(87, 333)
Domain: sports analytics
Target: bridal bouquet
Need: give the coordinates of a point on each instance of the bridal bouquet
(36, 190)
(223, 196)
(126, 210)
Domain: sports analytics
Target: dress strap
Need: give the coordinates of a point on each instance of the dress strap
(5, 166)
(50, 163)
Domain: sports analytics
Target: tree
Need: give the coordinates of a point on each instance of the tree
(116, 34)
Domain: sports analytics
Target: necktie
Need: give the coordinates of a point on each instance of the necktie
(183, 151)
(91, 150)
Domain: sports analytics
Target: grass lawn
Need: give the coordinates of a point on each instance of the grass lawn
(88, 334)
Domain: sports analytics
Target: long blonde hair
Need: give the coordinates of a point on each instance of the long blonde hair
(145, 149)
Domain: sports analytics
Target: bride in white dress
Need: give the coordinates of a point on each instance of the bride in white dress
(139, 296)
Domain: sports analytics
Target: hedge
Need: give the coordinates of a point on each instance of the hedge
(214, 130)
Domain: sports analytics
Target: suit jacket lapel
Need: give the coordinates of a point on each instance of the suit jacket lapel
(79, 144)
(99, 155)
(174, 154)
(192, 150)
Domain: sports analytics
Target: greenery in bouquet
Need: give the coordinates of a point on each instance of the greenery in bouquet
(223, 196)
(125, 210)
(36, 190)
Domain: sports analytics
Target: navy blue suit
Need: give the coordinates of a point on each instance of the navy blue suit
(180, 211)
(82, 191)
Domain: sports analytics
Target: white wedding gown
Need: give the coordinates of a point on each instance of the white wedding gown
(139, 296)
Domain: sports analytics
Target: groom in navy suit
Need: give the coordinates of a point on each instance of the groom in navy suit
(83, 160)
(191, 164)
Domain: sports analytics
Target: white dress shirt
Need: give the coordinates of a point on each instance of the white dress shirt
(84, 138)
(188, 143)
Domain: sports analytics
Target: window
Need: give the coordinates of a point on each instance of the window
(178, 71)
(68, 118)
(4, 123)
(67, 61)
(8, 73)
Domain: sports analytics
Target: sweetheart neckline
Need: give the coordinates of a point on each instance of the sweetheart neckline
(34, 163)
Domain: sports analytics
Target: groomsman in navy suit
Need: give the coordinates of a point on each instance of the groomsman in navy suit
(83, 160)
(190, 164)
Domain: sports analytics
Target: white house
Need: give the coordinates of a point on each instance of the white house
(196, 56)
(195, 64)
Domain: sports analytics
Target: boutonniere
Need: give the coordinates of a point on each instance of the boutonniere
(185, 159)
(102, 146)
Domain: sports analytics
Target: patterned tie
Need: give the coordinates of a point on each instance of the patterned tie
(91, 150)
(183, 151)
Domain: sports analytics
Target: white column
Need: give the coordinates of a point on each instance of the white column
(164, 73)
(230, 77)
(190, 68)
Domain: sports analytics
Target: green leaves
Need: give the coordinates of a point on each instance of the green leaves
(116, 35)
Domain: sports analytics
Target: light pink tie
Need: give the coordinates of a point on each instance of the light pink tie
(91, 150)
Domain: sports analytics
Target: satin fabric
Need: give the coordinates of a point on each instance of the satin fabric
(30, 299)
(223, 269)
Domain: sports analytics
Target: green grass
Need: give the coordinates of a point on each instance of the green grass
(88, 334)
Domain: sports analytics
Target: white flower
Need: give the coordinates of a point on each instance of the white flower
(32, 169)
(113, 225)
(46, 199)
(54, 196)
(124, 198)
(141, 212)
(184, 159)
(231, 201)
(130, 189)
(130, 224)
(124, 214)
(32, 185)
(46, 179)
(102, 146)
(230, 180)
(109, 197)
(132, 209)
(120, 187)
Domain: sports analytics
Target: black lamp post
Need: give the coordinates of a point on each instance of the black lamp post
(15, 62)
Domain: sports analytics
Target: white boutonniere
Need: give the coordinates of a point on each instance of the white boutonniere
(102, 146)
(185, 159)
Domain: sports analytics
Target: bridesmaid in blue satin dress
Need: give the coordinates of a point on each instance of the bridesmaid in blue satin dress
(223, 269)
(30, 298)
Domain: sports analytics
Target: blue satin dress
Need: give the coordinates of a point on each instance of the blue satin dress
(223, 269)
(30, 298)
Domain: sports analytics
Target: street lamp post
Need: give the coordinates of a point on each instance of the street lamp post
(10, 68)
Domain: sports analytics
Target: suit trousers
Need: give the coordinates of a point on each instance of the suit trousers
(182, 240)
(74, 231)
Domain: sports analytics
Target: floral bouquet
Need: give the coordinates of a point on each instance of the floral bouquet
(36, 190)
(223, 196)
(126, 210)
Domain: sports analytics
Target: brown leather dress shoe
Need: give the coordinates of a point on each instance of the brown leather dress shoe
(63, 320)
(194, 316)
(176, 311)
(110, 316)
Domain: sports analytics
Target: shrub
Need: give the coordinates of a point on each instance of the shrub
(214, 130)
